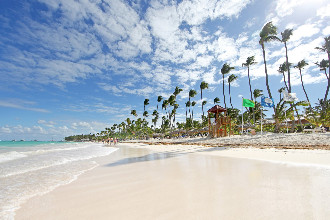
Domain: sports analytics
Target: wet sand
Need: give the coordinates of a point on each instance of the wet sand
(190, 183)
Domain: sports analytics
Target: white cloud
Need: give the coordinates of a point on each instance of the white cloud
(21, 104)
(324, 11)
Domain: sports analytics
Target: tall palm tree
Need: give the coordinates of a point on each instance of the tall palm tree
(326, 48)
(159, 99)
(249, 61)
(286, 34)
(225, 70)
(216, 100)
(267, 34)
(192, 94)
(300, 66)
(231, 79)
(145, 103)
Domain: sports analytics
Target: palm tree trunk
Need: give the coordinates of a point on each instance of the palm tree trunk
(286, 85)
(287, 65)
(327, 91)
(267, 84)
(230, 97)
(302, 83)
(223, 90)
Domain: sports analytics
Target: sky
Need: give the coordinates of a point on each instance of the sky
(78, 66)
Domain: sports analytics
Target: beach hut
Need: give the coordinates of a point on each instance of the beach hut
(221, 124)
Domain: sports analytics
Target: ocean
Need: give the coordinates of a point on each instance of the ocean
(33, 168)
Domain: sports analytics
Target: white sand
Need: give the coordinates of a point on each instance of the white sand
(193, 182)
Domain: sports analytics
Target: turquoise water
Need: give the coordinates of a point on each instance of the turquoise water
(29, 168)
(26, 143)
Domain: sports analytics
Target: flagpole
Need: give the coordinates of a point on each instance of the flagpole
(242, 115)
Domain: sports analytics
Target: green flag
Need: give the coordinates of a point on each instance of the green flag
(248, 103)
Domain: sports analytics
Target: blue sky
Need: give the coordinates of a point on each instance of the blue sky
(72, 67)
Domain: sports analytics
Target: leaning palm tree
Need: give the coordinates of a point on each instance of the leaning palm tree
(231, 79)
(159, 99)
(249, 61)
(326, 48)
(225, 70)
(300, 66)
(267, 34)
(216, 100)
(285, 37)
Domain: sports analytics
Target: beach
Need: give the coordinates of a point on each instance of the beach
(190, 181)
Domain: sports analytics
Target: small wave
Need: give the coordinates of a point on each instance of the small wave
(8, 156)
(56, 163)
(8, 209)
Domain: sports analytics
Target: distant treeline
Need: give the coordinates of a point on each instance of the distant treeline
(81, 137)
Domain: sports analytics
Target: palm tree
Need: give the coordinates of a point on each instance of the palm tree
(145, 114)
(225, 70)
(156, 116)
(326, 48)
(257, 93)
(171, 101)
(231, 79)
(300, 66)
(216, 100)
(323, 65)
(285, 37)
(159, 99)
(267, 34)
(203, 103)
(187, 105)
(282, 69)
(146, 102)
(177, 91)
(281, 91)
(203, 85)
(249, 61)
(192, 94)
(133, 112)
(192, 111)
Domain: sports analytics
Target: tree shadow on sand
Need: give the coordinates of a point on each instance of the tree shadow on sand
(161, 156)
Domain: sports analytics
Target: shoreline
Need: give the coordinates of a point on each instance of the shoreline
(190, 181)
